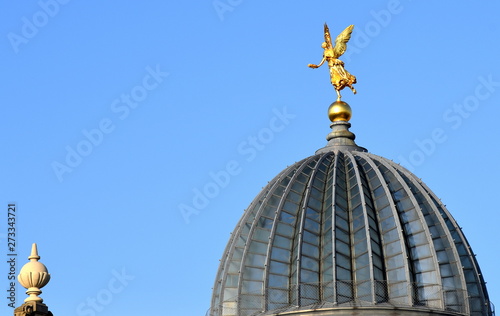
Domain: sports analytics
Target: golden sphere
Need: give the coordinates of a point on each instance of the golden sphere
(339, 111)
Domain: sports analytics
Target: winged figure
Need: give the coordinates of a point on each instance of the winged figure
(339, 77)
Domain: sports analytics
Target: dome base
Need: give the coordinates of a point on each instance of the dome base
(364, 311)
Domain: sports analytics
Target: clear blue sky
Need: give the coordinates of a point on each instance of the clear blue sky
(117, 115)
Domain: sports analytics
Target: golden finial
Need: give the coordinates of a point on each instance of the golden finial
(339, 77)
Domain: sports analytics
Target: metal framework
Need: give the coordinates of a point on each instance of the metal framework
(347, 227)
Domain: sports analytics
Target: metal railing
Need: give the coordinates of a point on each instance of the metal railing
(344, 294)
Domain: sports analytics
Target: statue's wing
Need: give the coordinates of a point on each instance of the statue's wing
(328, 38)
(341, 41)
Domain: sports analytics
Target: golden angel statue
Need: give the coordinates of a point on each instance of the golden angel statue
(339, 77)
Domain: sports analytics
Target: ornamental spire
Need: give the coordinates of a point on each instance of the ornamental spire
(339, 111)
(33, 276)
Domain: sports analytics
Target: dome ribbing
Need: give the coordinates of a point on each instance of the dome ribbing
(347, 229)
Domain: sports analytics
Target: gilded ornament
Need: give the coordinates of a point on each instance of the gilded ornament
(339, 77)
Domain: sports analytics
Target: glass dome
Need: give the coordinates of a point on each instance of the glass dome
(347, 230)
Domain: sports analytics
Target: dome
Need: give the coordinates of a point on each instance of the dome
(347, 232)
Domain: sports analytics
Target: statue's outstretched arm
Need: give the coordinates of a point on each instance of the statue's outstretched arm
(318, 65)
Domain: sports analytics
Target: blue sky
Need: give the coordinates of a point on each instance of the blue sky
(118, 116)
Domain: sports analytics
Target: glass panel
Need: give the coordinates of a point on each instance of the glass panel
(405, 204)
(360, 247)
(294, 197)
(371, 222)
(327, 276)
(315, 193)
(363, 274)
(280, 254)
(364, 291)
(327, 262)
(413, 227)
(282, 242)
(265, 223)
(342, 235)
(470, 276)
(342, 247)
(377, 260)
(290, 207)
(472, 289)
(312, 214)
(393, 248)
(307, 276)
(238, 253)
(371, 173)
(442, 256)
(399, 194)
(426, 278)
(286, 218)
(434, 231)
(230, 293)
(466, 262)
(285, 230)
(385, 212)
(387, 224)
(312, 226)
(391, 235)
(461, 249)
(251, 287)
(340, 199)
(357, 211)
(376, 247)
(253, 274)
(398, 290)
(449, 283)
(382, 201)
(421, 251)
(343, 261)
(255, 260)
(275, 296)
(438, 244)
(273, 200)
(258, 247)
(424, 265)
(314, 203)
(340, 212)
(309, 263)
(310, 238)
(378, 274)
(360, 235)
(358, 223)
(297, 186)
(280, 281)
(343, 274)
(340, 222)
(310, 250)
(234, 267)
(417, 239)
(327, 223)
(261, 234)
(279, 267)
(232, 280)
(378, 191)
(475, 305)
(396, 261)
(362, 260)
(396, 275)
(355, 200)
